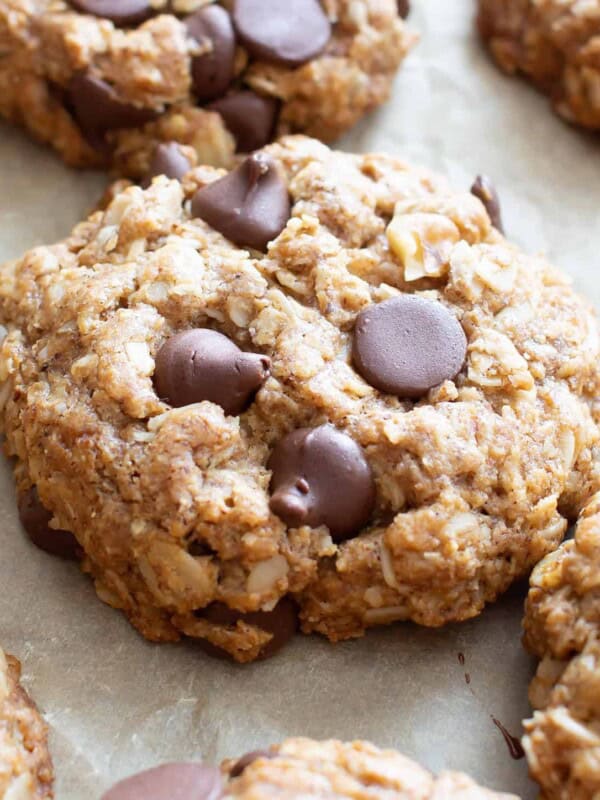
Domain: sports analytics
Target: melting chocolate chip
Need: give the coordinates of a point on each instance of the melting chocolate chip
(35, 519)
(98, 110)
(403, 8)
(281, 622)
(407, 345)
(289, 33)
(168, 160)
(201, 364)
(484, 189)
(213, 71)
(121, 12)
(247, 759)
(321, 477)
(250, 205)
(198, 548)
(184, 781)
(249, 117)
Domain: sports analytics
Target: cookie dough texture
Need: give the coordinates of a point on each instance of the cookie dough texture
(45, 43)
(554, 43)
(25, 765)
(475, 481)
(302, 768)
(562, 628)
(357, 771)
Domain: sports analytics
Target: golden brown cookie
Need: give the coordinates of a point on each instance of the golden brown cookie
(106, 82)
(25, 765)
(381, 411)
(562, 628)
(301, 768)
(555, 44)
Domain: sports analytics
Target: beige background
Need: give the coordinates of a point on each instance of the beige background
(116, 703)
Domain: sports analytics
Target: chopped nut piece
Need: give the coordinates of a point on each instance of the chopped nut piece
(423, 243)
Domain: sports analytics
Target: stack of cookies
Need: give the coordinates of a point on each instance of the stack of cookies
(269, 387)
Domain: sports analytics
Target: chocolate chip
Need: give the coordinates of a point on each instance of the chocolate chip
(289, 33)
(213, 71)
(35, 519)
(184, 781)
(321, 477)
(168, 160)
(407, 345)
(249, 117)
(201, 364)
(97, 108)
(403, 8)
(198, 548)
(247, 759)
(250, 205)
(484, 189)
(121, 12)
(281, 622)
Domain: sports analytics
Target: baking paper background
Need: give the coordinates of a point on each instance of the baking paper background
(116, 703)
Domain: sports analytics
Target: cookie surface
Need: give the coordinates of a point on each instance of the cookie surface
(300, 768)
(215, 525)
(562, 628)
(106, 87)
(555, 44)
(25, 763)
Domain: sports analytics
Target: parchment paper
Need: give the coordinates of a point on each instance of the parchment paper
(116, 703)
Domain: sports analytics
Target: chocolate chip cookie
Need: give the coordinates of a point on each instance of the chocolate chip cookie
(301, 768)
(25, 765)
(555, 44)
(105, 82)
(320, 389)
(562, 628)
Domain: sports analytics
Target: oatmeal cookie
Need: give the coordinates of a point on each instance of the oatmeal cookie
(106, 81)
(320, 382)
(554, 43)
(562, 628)
(301, 768)
(25, 765)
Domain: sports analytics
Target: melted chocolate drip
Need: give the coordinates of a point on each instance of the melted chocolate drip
(515, 748)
